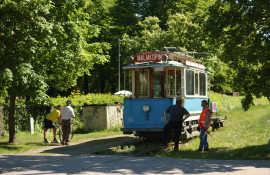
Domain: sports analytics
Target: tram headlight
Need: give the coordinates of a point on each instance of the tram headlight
(146, 108)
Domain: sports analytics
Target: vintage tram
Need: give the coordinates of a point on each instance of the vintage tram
(158, 78)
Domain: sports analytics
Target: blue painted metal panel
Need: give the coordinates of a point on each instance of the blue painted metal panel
(194, 104)
(135, 117)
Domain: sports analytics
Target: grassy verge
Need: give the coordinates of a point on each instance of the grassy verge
(245, 136)
(26, 142)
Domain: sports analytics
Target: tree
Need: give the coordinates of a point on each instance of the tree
(241, 29)
(45, 43)
(150, 38)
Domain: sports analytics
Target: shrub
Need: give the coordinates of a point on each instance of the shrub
(23, 110)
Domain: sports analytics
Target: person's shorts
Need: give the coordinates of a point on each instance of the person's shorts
(48, 124)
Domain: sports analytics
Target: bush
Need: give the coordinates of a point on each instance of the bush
(23, 110)
(79, 99)
(22, 116)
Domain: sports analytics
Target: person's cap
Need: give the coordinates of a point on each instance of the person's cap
(68, 102)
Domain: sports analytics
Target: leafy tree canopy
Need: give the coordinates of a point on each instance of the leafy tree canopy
(242, 30)
(46, 43)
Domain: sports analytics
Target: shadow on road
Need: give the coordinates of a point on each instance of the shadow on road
(91, 146)
(87, 164)
(76, 159)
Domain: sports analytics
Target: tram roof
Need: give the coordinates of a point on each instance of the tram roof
(161, 64)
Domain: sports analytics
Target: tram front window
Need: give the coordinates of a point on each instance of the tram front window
(157, 84)
(141, 81)
(189, 82)
(171, 83)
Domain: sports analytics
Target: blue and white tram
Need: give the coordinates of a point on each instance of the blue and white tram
(158, 78)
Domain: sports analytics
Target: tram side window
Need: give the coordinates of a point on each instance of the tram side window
(141, 83)
(178, 83)
(189, 82)
(171, 82)
(202, 84)
(157, 84)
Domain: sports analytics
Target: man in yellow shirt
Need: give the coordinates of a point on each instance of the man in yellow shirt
(48, 123)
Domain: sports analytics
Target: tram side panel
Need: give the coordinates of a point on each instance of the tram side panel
(135, 119)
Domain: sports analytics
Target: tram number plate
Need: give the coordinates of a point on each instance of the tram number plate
(163, 119)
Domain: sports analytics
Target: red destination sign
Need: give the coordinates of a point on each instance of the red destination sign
(193, 64)
(145, 57)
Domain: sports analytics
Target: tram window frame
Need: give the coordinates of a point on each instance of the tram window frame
(138, 92)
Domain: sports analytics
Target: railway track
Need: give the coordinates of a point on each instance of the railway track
(138, 148)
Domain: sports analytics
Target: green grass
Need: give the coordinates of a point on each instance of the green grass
(26, 142)
(245, 135)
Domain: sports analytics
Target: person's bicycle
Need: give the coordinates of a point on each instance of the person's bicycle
(61, 134)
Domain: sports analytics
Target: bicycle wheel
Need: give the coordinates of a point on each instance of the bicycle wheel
(71, 133)
(61, 134)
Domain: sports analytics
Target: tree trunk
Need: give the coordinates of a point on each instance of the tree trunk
(11, 119)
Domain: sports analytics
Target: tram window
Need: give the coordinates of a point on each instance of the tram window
(196, 83)
(189, 82)
(178, 83)
(171, 82)
(141, 83)
(202, 84)
(157, 84)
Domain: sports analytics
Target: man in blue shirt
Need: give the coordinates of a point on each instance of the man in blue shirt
(176, 118)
